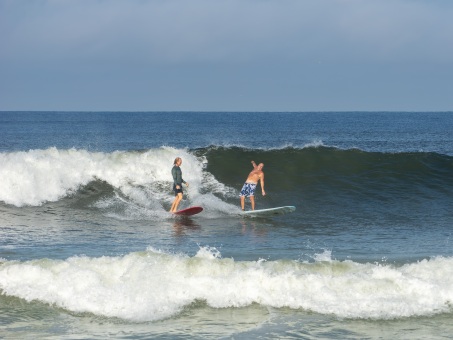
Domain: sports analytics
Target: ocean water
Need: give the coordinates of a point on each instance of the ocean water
(89, 251)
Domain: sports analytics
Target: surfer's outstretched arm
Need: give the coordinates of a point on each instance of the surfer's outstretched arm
(262, 184)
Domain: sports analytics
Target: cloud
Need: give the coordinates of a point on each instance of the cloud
(179, 31)
(226, 54)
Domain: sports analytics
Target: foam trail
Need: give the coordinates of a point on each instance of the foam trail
(154, 285)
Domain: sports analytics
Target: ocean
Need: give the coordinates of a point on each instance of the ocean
(88, 249)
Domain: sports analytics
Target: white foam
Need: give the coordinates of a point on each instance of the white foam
(316, 143)
(39, 176)
(208, 253)
(153, 285)
(326, 256)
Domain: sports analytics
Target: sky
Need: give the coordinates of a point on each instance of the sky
(226, 55)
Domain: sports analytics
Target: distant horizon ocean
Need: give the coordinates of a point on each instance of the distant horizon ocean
(88, 249)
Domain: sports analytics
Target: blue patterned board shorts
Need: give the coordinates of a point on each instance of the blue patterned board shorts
(248, 190)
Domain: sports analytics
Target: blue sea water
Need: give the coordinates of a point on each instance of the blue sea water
(89, 250)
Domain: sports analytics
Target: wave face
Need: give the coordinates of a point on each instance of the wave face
(339, 181)
(319, 176)
(153, 285)
(334, 168)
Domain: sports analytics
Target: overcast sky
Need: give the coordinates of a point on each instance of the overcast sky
(226, 55)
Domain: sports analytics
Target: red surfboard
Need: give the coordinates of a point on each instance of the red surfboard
(189, 211)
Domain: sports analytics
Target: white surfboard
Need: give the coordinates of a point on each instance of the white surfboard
(270, 211)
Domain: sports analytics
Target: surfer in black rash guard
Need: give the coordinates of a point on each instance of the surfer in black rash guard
(177, 183)
(248, 190)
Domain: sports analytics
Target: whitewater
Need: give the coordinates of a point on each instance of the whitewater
(154, 285)
(37, 176)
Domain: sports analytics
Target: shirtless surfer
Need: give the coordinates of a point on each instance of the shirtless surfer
(248, 190)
